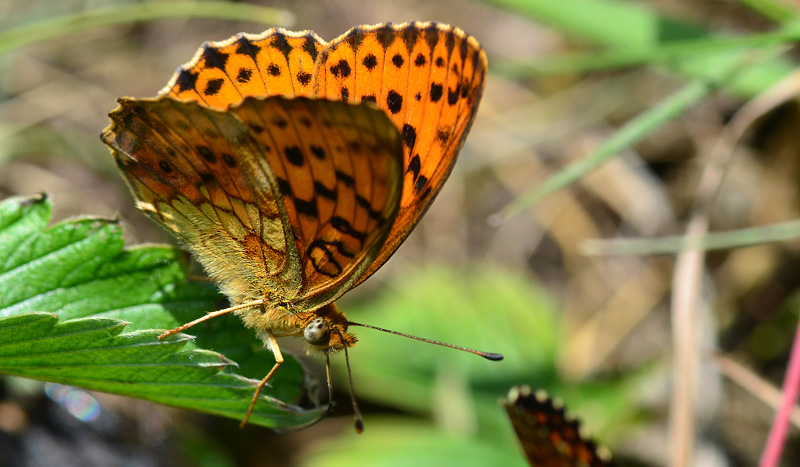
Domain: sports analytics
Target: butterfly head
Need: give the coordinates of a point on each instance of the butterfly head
(327, 330)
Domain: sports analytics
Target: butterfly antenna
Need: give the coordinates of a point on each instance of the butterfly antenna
(487, 355)
(359, 420)
(210, 315)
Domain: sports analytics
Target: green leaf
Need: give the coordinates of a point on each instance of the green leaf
(398, 442)
(78, 308)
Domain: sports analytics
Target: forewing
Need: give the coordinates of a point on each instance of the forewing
(429, 79)
(277, 62)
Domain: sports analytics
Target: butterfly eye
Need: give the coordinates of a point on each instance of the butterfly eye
(316, 332)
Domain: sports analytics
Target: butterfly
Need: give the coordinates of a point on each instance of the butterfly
(548, 435)
(293, 168)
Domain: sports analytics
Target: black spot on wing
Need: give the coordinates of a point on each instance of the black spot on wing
(306, 208)
(409, 135)
(397, 60)
(409, 36)
(310, 47)
(341, 69)
(304, 78)
(346, 179)
(186, 80)
(318, 152)
(414, 166)
(452, 96)
(325, 192)
(279, 42)
(206, 154)
(425, 194)
(464, 89)
(343, 226)
(355, 37)
(213, 86)
(436, 92)
(450, 43)
(394, 101)
(462, 49)
(385, 36)
(283, 187)
(442, 135)
(244, 75)
(420, 183)
(229, 160)
(245, 47)
(354, 146)
(365, 204)
(213, 58)
(294, 155)
(431, 35)
(370, 61)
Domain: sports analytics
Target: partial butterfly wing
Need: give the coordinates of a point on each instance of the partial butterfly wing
(277, 62)
(429, 79)
(547, 435)
(338, 171)
(287, 198)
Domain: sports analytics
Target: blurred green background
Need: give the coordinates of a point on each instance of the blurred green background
(653, 83)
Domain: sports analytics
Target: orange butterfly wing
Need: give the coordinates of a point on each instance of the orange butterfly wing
(288, 199)
(548, 435)
(337, 168)
(277, 62)
(429, 79)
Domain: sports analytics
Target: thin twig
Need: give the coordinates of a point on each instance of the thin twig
(689, 267)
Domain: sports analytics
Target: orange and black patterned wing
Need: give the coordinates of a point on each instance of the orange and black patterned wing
(548, 437)
(429, 79)
(338, 170)
(277, 62)
(251, 191)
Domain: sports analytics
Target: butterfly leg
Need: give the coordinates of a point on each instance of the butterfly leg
(272, 343)
(210, 315)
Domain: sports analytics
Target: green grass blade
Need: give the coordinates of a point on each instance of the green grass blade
(630, 134)
(665, 54)
(780, 12)
(634, 32)
(51, 28)
(714, 241)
